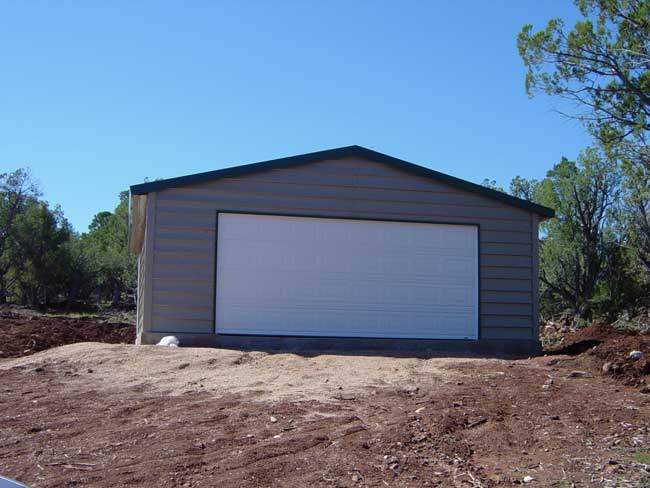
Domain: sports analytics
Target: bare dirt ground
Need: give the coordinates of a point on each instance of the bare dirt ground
(23, 331)
(91, 414)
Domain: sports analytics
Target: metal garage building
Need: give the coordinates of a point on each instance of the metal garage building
(347, 247)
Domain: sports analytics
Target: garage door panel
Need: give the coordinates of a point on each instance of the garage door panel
(345, 323)
(328, 288)
(334, 277)
(371, 258)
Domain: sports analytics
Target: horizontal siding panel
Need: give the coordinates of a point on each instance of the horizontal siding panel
(198, 298)
(506, 248)
(507, 333)
(323, 205)
(167, 324)
(194, 220)
(492, 308)
(209, 215)
(350, 167)
(505, 285)
(506, 260)
(182, 272)
(357, 165)
(184, 245)
(174, 232)
(502, 272)
(182, 286)
(174, 311)
(185, 257)
(226, 190)
(488, 321)
(488, 296)
(340, 178)
(505, 237)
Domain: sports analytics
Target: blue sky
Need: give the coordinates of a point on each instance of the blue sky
(96, 96)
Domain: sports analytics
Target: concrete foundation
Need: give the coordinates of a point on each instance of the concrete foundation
(309, 345)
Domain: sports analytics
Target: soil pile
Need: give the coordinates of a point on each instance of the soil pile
(605, 349)
(26, 334)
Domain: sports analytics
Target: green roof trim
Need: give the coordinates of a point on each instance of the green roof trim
(339, 153)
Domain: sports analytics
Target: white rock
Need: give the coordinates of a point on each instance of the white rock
(273, 419)
(168, 341)
(528, 479)
(634, 355)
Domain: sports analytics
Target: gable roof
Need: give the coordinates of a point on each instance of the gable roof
(339, 153)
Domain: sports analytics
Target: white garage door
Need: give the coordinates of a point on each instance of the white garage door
(345, 278)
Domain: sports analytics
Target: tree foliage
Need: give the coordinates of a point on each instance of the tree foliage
(601, 65)
(42, 259)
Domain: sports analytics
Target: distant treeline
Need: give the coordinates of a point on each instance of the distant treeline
(43, 261)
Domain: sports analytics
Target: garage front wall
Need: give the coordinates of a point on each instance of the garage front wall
(181, 225)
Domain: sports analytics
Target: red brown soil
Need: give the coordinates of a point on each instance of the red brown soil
(488, 423)
(58, 428)
(24, 334)
(601, 344)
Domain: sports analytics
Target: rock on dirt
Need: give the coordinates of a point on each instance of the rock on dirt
(579, 374)
(634, 355)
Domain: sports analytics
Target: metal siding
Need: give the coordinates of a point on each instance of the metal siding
(185, 229)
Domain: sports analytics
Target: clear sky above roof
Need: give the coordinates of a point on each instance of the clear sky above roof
(95, 97)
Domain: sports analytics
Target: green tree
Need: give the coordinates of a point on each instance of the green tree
(601, 65)
(37, 253)
(105, 244)
(574, 246)
(491, 184)
(16, 190)
(523, 188)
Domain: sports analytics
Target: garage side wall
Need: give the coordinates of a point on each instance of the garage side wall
(183, 237)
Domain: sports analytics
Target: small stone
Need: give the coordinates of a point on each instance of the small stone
(634, 355)
(273, 419)
(645, 389)
(411, 390)
(356, 478)
(419, 437)
(90, 370)
(579, 374)
(528, 479)
(554, 417)
(607, 367)
(347, 396)
(183, 365)
(457, 404)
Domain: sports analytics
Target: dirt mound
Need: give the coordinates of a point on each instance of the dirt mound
(178, 371)
(72, 416)
(26, 334)
(603, 348)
